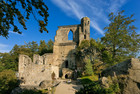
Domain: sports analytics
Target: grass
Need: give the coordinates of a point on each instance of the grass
(89, 79)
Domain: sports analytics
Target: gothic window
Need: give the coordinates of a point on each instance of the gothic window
(88, 22)
(70, 35)
(84, 36)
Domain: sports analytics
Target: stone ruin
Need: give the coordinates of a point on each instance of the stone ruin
(127, 73)
(32, 73)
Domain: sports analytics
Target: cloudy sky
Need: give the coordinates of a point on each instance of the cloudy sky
(69, 12)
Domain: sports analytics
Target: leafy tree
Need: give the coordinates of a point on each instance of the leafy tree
(33, 46)
(121, 37)
(8, 81)
(88, 68)
(1, 66)
(7, 61)
(50, 46)
(42, 47)
(11, 9)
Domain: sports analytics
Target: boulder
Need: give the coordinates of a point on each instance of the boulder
(104, 82)
(128, 72)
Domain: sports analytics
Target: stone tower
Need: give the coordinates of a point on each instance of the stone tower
(64, 49)
(85, 29)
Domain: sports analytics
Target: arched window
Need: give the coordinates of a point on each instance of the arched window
(66, 64)
(88, 22)
(70, 35)
(84, 36)
(66, 76)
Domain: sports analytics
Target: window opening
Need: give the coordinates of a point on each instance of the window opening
(84, 36)
(70, 35)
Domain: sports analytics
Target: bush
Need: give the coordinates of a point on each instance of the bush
(8, 81)
(94, 88)
(88, 68)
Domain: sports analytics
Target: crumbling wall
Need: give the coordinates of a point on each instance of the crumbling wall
(32, 73)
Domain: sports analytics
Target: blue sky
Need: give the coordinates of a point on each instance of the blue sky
(69, 12)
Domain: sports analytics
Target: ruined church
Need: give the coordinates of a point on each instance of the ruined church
(62, 62)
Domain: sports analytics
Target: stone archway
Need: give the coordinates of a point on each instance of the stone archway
(66, 76)
(67, 73)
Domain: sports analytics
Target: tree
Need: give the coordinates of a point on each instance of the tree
(50, 46)
(121, 37)
(88, 68)
(8, 81)
(33, 46)
(11, 9)
(7, 61)
(42, 47)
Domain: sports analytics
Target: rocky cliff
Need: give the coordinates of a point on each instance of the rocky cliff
(128, 74)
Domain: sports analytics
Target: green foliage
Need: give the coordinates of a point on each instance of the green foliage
(33, 46)
(8, 81)
(121, 37)
(42, 47)
(31, 92)
(94, 88)
(10, 10)
(96, 52)
(88, 68)
(50, 46)
(91, 78)
(8, 61)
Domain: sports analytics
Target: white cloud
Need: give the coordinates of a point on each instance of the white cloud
(4, 51)
(12, 32)
(96, 9)
(116, 4)
(4, 48)
(3, 45)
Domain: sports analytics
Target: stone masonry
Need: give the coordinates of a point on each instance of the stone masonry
(32, 73)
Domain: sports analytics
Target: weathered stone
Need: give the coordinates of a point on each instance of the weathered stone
(31, 73)
(45, 84)
(67, 73)
(105, 82)
(129, 71)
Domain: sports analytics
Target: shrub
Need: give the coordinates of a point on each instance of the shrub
(8, 81)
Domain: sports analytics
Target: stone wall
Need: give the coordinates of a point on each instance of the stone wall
(129, 72)
(32, 73)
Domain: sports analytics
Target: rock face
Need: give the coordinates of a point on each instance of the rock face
(129, 70)
(105, 82)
